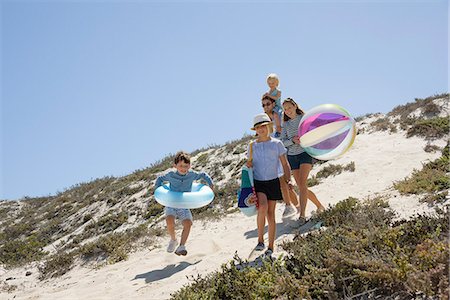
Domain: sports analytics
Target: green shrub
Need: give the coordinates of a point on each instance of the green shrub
(153, 209)
(105, 224)
(431, 148)
(330, 170)
(226, 163)
(202, 160)
(112, 248)
(361, 254)
(217, 171)
(360, 118)
(18, 252)
(115, 247)
(229, 283)
(404, 110)
(312, 181)
(162, 165)
(426, 180)
(15, 231)
(383, 124)
(430, 128)
(225, 198)
(56, 265)
(431, 179)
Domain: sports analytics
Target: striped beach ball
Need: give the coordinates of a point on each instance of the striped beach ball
(326, 131)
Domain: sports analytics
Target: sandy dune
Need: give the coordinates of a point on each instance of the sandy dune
(380, 159)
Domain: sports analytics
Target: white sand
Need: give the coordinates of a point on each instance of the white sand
(380, 159)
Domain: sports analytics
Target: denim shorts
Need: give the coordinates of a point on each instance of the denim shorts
(180, 213)
(296, 160)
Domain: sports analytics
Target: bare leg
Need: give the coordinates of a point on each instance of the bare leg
(261, 218)
(170, 222)
(301, 177)
(293, 197)
(285, 192)
(271, 222)
(186, 229)
(313, 198)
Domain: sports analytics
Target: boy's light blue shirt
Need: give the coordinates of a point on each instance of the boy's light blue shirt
(182, 183)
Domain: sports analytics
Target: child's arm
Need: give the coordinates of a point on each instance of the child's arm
(205, 177)
(286, 168)
(160, 180)
(249, 163)
(284, 138)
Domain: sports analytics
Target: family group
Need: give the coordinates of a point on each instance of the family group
(275, 156)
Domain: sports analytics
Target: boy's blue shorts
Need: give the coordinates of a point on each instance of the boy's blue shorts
(180, 213)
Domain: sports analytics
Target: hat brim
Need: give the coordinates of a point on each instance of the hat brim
(261, 124)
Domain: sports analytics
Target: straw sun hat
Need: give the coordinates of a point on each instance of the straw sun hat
(260, 119)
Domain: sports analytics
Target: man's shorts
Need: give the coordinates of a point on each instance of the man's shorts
(296, 160)
(270, 187)
(180, 213)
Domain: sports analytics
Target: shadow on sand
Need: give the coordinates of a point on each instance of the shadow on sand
(285, 227)
(168, 271)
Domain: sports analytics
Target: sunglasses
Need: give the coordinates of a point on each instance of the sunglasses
(267, 104)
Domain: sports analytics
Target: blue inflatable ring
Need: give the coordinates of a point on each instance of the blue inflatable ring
(200, 195)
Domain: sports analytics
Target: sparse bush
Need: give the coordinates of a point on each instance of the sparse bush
(115, 247)
(202, 160)
(333, 170)
(153, 209)
(312, 181)
(87, 217)
(226, 163)
(17, 252)
(404, 110)
(56, 265)
(434, 198)
(430, 128)
(431, 148)
(15, 231)
(217, 172)
(383, 124)
(330, 170)
(105, 224)
(162, 165)
(350, 167)
(239, 150)
(229, 283)
(431, 179)
(431, 109)
(225, 197)
(8, 288)
(361, 254)
(360, 118)
(128, 191)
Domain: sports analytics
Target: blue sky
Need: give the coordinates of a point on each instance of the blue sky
(97, 88)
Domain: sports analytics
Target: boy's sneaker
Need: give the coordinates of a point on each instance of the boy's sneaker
(181, 250)
(288, 211)
(171, 246)
(260, 246)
